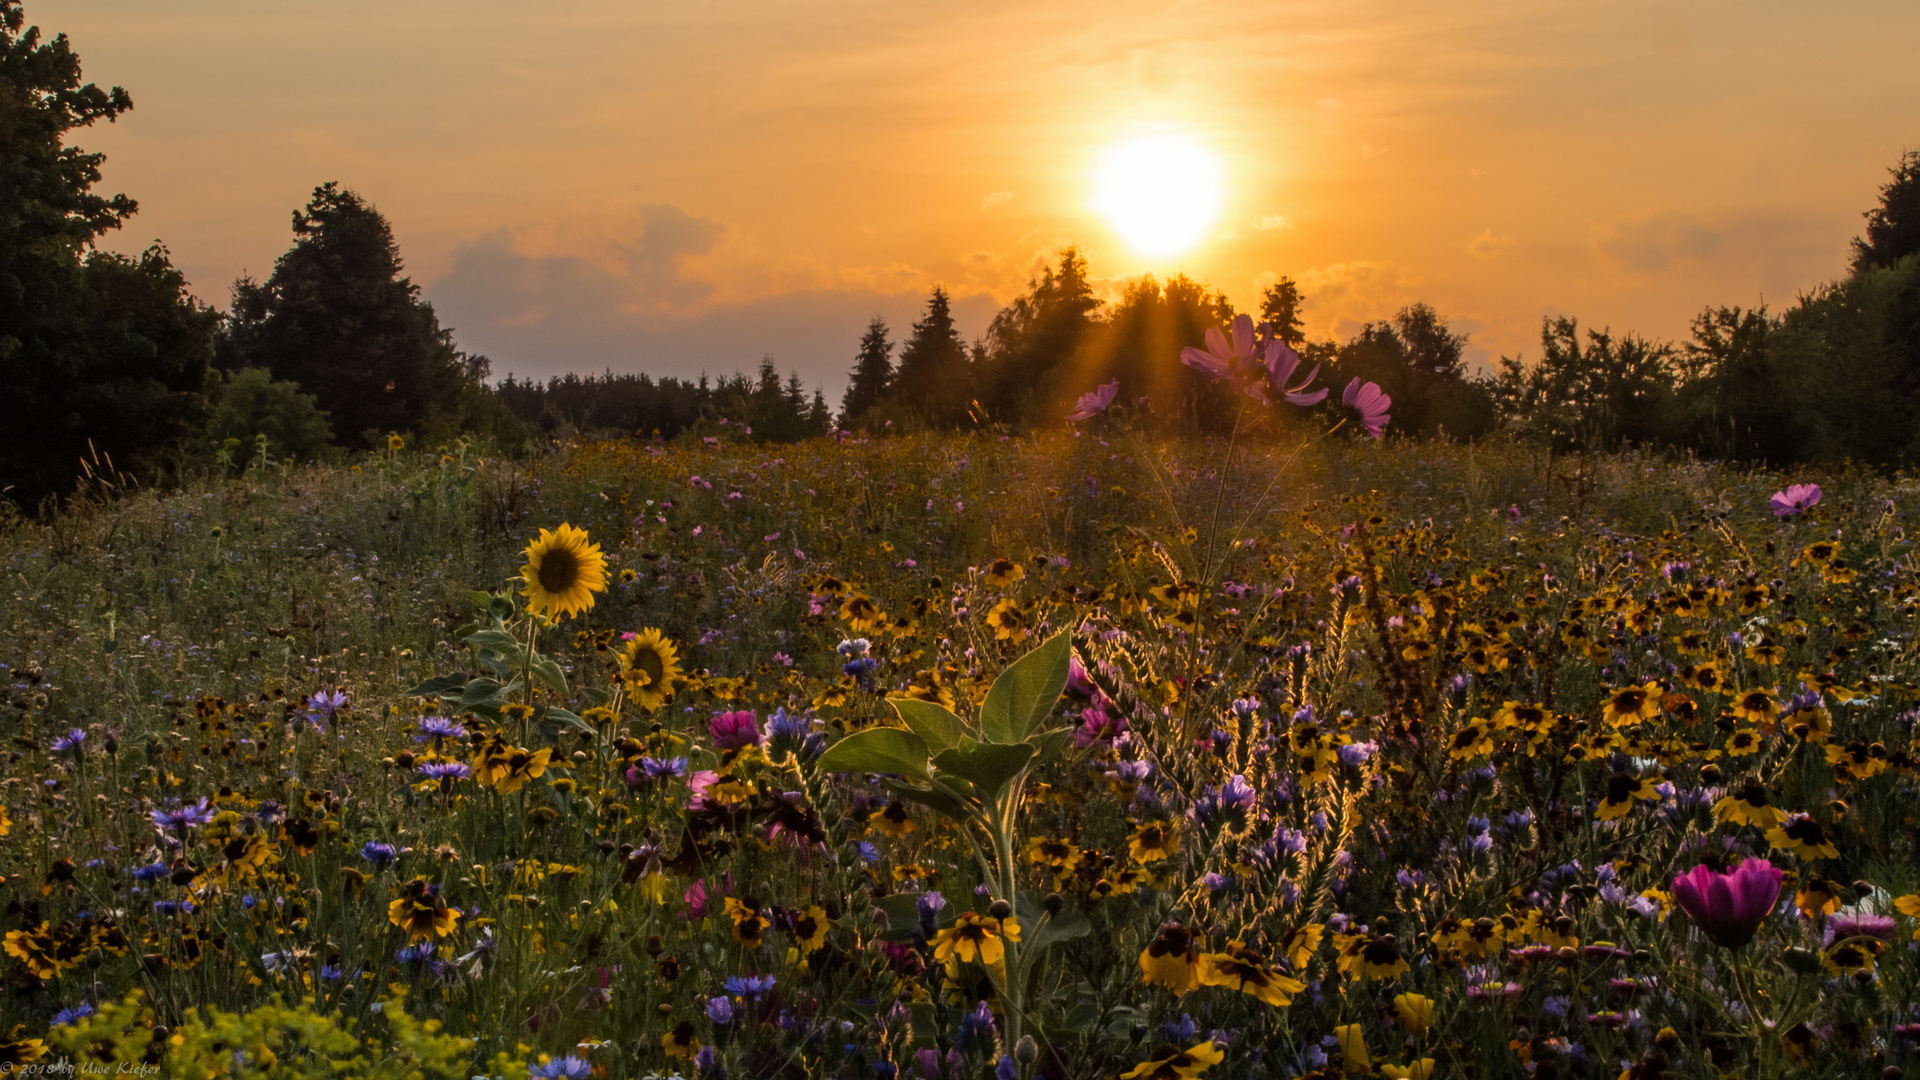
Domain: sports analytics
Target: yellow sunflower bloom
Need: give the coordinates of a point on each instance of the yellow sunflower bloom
(1248, 972)
(650, 669)
(1183, 1065)
(563, 572)
(1632, 704)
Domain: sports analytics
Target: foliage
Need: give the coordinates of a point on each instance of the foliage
(1893, 227)
(1420, 363)
(337, 317)
(872, 374)
(104, 357)
(935, 381)
(268, 416)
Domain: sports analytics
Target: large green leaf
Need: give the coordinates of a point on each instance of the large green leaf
(445, 684)
(933, 722)
(555, 720)
(1025, 693)
(481, 691)
(549, 672)
(940, 799)
(877, 750)
(498, 640)
(987, 766)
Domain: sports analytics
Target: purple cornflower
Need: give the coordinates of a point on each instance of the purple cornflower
(720, 1010)
(379, 854)
(1796, 499)
(1094, 402)
(324, 706)
(182, 818)
(653, 768)
(439, 729)
(445, 771)
(70, 741)
(72, 1016)
(749, 986)
(566, 1068)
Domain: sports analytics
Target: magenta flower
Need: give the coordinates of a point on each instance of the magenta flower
(1094, 402)
(1282, 362)
(1368, 400)
(733, 730)
(1222, 359)
(1798, 498)
(1729, 908)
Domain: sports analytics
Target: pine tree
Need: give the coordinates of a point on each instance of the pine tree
(1280, 308)
(1034, 338)
(872, 373)
(935, 376)
(1893, 227)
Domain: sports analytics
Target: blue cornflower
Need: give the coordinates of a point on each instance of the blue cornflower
(720, 1010)
(150, 872)
(867, 851)
(445, 771)
(72, 1016)
(749, 986)
(323, 706)
(566, 1068)
(182, 818)
(379, 854)
(929, 906)
(415, 954)
(439, 728)
(663, 768)
(70, 741)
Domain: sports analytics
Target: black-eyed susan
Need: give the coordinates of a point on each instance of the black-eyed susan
(1177, 1064)
(749, 926)
(1301, 943)
(861, 614)
(1471, 741)
(1804, 836)
(1152, 842)
(1421, 1069)
(1910, 907)
(1631, 704)
(1003, 572)
(563, 572)
(1414, 1012)
(681, 1041)
(1852, 956)
(421, 912)
(976, 936)
(1242, 969)
(650, 669)
(1618, 797)
(1370, 956)
(1471, 938)
(1745, 742)
(1758, 706)
(15, 1054)
(1169, 960)
(809, 929)
(1748, 805)
(1050, 852)
(1010, 621)
(894, 821)
(44, 950)
(1816, 896)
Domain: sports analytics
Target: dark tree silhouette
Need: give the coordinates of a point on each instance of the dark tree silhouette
(337, 317)
(1893, 227)
(872, 373)
(1033, 341)
(102, 356)
(1280, 309)
(935, 380)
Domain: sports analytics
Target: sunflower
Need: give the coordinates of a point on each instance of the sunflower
(563, 572)
(1179, 1064)
(1622, 790)
(809, 929)
(1757, 706)
(976, 935)
(1803, 836)
(1242, 969)
(748, 927)
(650, 669)
(1170, 961)
(1153, 842)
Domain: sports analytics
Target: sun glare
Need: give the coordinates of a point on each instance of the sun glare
(1159, 192)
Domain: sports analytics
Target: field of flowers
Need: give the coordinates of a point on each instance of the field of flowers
(1075, 755)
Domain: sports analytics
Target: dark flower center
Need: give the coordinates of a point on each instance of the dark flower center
(559, 570)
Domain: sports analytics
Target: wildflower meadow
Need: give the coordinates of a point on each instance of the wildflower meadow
(1293, 752)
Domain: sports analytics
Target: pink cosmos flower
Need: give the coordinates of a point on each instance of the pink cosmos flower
(1368, 400)
(1729, 908)
(1282, 362)
(1798, 498)
(1094, 402)
(1222, 359)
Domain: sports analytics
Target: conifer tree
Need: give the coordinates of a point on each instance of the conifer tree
(935, 376)
(872, 373)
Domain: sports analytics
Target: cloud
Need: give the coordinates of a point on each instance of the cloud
(1487, 245)
(998, 198)
(539, 315)
(1271, 222)
(1653, 242)
(1337, 299)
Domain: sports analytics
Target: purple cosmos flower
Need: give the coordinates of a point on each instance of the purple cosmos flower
(1282, 362)
(1094, 402)
(733, 730)
(1796, 499)
(1729, 908)
(1222, 359)
(1368, 400)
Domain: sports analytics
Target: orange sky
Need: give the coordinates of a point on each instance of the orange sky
(678, 187)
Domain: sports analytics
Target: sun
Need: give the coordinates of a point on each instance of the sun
(1159, 192)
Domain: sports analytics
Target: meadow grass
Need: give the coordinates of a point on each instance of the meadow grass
(1344, 781)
